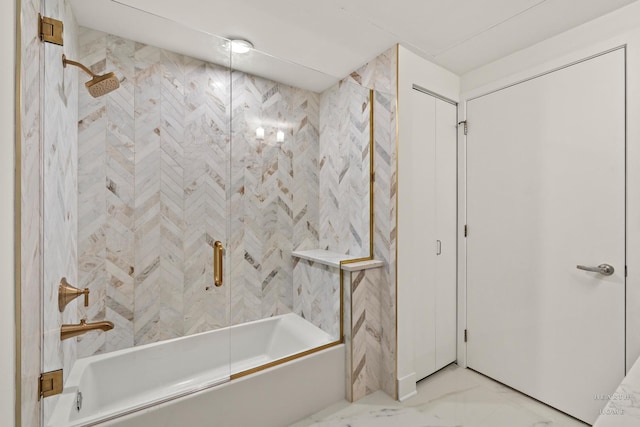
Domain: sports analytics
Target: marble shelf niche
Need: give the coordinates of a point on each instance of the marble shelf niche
(333, 259)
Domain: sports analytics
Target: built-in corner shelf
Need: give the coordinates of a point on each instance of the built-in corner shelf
(363, 265)
(333, 259)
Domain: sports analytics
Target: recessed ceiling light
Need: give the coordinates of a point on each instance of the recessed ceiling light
(241, 46)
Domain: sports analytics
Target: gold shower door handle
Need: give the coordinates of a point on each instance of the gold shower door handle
(217, 263)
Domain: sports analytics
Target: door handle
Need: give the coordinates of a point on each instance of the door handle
(438, 247)
(217, 263)
(604, 269)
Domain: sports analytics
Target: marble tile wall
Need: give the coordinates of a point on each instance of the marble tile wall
(370, 295)
(317, 295)
(158, 221)
(348, 330)
(274, 194)
(345, 169)
(344, 201)
(153, 190)
(385, 230)
(366, 332)
(150, 194)
(370, 301)
(31, 212)
(206, 190)
(379, 354)
(103, 127)
(385, 137)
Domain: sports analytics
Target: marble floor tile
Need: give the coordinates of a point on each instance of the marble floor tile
(452, 397)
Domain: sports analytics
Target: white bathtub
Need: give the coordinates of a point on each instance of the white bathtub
(127, 381)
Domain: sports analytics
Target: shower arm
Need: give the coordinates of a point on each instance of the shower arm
(66, 61)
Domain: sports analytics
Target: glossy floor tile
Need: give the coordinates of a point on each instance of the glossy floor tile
(452, 397)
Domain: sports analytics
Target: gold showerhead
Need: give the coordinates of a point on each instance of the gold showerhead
(98, 85)
(102, 85)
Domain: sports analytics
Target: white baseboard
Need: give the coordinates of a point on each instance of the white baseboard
(407, 387)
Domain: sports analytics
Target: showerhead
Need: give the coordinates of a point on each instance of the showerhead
(102, 85)
(98, 85)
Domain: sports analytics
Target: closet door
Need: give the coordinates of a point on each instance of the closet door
(445, 229)
(428, 209)
(417, 214)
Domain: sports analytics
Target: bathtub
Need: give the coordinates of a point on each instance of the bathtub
(145, 380)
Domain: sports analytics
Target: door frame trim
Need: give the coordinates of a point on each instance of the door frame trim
(544, 73)
(505, 83)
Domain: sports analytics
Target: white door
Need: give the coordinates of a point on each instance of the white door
(430, 199)
(546, 192)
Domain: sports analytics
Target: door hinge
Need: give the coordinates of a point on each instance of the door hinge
(373, 177)
(465, 335)
(50, 383)
(466, 230)
(466, 127)
(626, 271)
(51, 30)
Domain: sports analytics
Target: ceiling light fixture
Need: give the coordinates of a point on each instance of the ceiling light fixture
(241, 46)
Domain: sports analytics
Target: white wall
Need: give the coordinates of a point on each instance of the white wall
(412, 70)
(615, 29)
(7, 318)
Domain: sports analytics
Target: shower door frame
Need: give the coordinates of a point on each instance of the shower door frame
(17, 203)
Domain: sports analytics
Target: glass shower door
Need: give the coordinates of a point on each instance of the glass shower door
(59, 200)
(135, 197)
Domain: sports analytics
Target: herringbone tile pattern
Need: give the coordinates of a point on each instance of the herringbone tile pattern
(274, 201)
(206, 145)
(92, 134)
(317, 295)
(345, 169)
(373, 304)
(366, 332)
(154, 160)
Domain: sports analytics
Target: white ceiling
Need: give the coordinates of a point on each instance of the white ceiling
(337, 36)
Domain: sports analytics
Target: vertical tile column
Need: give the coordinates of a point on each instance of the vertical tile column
(380, 74)
(363, 332)
(31, 209)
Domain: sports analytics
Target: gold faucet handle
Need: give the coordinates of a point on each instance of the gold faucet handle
(67, 293)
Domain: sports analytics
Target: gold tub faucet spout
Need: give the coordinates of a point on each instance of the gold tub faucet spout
(69, 331)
